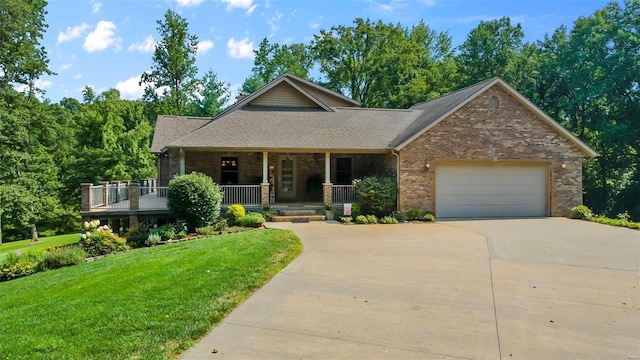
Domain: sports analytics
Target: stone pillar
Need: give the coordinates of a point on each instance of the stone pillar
(105, 192)
(85, 202)
(327, 196)
(264, 194)
(134, 197)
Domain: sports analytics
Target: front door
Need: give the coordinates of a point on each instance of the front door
(286, 184)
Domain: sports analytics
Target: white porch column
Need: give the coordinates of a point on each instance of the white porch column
(181, 162)
(265, 167)
(327, 167)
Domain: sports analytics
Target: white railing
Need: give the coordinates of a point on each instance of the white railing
(247, 195)
(153, 197)
(341, 194)
(97, 196)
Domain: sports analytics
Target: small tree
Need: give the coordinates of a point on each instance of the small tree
(194, 198)
(376, 195)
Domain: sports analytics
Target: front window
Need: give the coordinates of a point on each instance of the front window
(229, 170)
(343, 171)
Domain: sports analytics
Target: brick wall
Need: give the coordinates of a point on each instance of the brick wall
(476, 132)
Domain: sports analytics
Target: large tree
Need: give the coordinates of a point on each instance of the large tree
(171, 82)
(22, 26)
(212, 95)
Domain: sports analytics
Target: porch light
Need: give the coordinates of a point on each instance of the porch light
(563, 163)
(427, 164)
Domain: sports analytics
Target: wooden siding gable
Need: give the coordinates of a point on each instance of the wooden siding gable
(284, 95)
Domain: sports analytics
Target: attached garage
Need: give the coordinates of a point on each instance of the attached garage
(488, 190)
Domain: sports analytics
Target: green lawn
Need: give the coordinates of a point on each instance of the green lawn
(152, 303)
(24, 245)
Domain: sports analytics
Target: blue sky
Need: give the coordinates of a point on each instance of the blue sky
(109, 43)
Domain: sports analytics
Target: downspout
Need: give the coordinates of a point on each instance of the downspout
(397, 155)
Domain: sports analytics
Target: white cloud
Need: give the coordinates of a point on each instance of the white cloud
(77, 76)
(64, 67)
(96, 5)
(267, 4)
(131, 88)
(187, 3)
(314, 25)
(72, 33)
(204, 46)
(145, 46)
(247, 5)
(273, 22)
(242, 49)
(102, 37)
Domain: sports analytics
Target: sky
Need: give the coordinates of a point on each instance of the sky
(109, 43)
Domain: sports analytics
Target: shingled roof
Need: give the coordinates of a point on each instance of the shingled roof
(245, 126)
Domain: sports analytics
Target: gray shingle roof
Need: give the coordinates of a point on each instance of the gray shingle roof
(295, 128)
(171, 128)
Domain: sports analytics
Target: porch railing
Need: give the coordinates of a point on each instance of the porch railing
(341, 194)
(247, 195)
(153, 197)
(97, 196)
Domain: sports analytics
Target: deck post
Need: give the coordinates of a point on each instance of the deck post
(134, 196)
(105, 192)
(117, 185)
(85, 189)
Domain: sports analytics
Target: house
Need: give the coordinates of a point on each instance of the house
(482, 151)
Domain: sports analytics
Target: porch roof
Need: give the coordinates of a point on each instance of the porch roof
(258, 127)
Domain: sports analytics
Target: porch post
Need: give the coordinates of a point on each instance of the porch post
(85, 190)
(327, 185)
(181, 162)
(105, 193)
(264, 187)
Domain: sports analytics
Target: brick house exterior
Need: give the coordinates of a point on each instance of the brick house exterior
(326, 138)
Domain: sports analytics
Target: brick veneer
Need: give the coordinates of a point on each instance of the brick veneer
(478, 133)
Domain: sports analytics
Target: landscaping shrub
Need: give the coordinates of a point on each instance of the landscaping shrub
(17, 265)
(346, 219)
(252, 219)
(194, 198)
(428, 217)
(221, 225)
(414, 214)
(388, 220)
(166, 232)
(361, 219)
(100, 240)
(235, 213)
(137, 236)
(376, 195)
(581, 212)
(60, 257)
(355, 210)
(206, 231)
(266, 212)
(372, 219)
(153, 239)
(399, 216)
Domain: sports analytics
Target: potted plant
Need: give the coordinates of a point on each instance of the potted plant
(328, 212)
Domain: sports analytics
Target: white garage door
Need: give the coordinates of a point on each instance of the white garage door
(491, 190)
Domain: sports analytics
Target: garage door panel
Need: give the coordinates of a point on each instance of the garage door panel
(491, 190)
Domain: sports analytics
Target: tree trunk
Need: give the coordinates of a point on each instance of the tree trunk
(34, 234)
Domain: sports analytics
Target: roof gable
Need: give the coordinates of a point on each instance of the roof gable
(436, 110)
(284, 94)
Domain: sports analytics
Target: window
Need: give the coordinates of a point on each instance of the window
(343, 171)
(494, 102)
(229, 170)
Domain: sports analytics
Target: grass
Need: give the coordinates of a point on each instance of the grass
(25, 246)
(152, 303)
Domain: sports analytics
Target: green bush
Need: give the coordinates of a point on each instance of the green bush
(581, 212)
(167, 232)
(137, 236)
(194, 198)
(428, 217)
(376, 195)
(399, 216)
(252, 219)
(361, 219)
(372, 219)
(153, 239)
(267, 212)
(346, 219)
(235, 213)
(388, 220)
(17, 270)
(100, 240)
(206, 231)
(414, 214)
(221, 225)
(355, 210)
(67, 256)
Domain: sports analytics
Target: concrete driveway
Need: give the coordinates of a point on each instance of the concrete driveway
(493, 289)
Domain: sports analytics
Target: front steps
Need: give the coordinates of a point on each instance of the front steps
(298, 215)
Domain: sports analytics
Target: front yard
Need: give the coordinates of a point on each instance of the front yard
(151, 303)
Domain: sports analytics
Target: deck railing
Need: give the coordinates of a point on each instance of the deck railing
(153, 197)
(341, 194)
(247, 195)
(97, 196)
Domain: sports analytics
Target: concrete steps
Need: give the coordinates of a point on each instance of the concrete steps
(297, 215)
